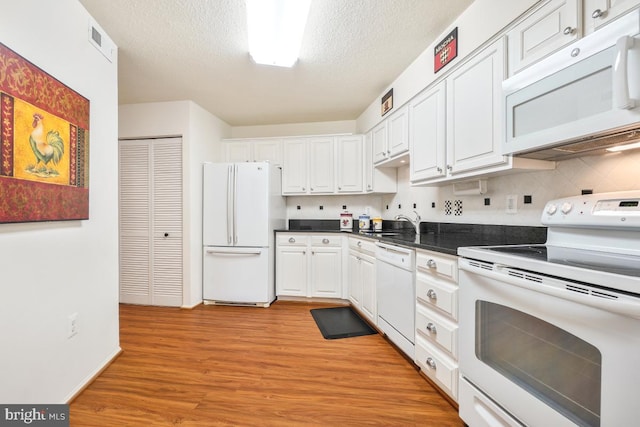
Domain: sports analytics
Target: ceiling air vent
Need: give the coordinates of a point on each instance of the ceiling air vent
(99, 39)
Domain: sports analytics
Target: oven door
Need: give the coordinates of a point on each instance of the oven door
(544, 354)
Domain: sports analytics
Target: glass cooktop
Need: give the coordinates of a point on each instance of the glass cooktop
(610, 263)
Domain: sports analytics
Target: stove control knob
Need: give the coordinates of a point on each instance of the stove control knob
(566, 207)
(551, 209)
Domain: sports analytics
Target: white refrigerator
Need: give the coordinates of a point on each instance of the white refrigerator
(242, 205)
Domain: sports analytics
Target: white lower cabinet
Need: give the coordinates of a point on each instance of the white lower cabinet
(436, 346)
(362, 277)
(309, 265)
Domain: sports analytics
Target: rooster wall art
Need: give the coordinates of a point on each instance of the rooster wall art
(46, 148)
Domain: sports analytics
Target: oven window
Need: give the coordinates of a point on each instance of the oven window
(553, 365)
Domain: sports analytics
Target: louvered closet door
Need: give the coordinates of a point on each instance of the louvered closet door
(151, 221)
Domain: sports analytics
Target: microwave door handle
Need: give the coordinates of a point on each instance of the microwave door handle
(621, 98)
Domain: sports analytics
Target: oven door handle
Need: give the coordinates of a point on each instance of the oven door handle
(624, 307)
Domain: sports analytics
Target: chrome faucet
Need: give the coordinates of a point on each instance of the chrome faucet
(415, 223)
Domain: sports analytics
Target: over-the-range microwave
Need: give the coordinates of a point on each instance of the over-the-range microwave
(583, 98)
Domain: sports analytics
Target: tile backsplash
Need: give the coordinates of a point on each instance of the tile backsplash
(604, 173)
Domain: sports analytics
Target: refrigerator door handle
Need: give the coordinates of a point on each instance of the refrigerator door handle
(235, 204)
(229, 204)
(226, 252)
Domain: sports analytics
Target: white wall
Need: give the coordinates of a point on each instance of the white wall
(477, 24)
(201, 133)
(51, 270)
(294, 129)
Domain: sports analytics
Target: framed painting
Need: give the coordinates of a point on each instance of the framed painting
(44, 145)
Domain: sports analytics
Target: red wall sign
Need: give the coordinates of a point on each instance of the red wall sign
(445, 51)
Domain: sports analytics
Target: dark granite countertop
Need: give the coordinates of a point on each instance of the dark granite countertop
(434, 236)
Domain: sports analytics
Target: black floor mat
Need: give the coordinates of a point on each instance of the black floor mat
(340, 322)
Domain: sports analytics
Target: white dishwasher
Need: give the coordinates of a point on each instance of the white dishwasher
(396, 295)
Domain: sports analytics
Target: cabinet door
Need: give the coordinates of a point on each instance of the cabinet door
(269, 150)
(474, 113)
(427, 123)
(379, 140)
(355, 279)
(398, 132)
(291, 271)
(294, 170)
(326, 272)
(368, 275)
(600, 12)
(350, 163)
(321, 165)
(546, 30)
(237, 151)
(368, 162)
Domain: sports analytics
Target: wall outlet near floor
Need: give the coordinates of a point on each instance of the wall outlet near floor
(72, 325)
(512, 204)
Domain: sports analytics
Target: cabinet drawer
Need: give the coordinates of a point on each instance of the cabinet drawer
(435, 293)
(292, 239)
(437, 265)
(326, 240)
(439, 367)
(438, 329)
(361, 245)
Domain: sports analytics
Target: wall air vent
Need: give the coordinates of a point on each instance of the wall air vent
(99, 39)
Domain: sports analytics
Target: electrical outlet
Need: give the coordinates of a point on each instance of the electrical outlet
(72, 325)
(512, 204)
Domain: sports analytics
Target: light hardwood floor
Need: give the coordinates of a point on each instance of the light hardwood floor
(244, 366)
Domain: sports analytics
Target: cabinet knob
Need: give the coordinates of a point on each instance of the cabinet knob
(388, 151)
(598, 14)
(304, 189)
(431, 363)
(432, 328)
(568, 31)
(439, 170)
(432, 294)
(359, 244)
(166, 234)
(325, 241)
(449, 167)
(292, 240)
(311, 188)
(339, 188)
(431, 264)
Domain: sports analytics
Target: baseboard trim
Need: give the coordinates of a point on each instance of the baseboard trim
(93, 377)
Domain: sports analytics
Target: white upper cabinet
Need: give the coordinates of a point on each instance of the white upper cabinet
(308, 166)
(398, 140)
(427, 134)
(600, 12)
(350, 164)
(474, 113)
(236, 151)
(391, 139)
(321, 161)
(295, 170)
(269, 150)
(552, 26)
(379, 141)
(260, 150)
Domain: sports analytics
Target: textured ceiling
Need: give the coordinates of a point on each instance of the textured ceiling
(197, 50)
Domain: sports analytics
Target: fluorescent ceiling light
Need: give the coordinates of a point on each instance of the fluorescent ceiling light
(624, 147)
(275, 30)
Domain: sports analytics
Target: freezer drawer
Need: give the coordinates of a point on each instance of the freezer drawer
(238, 276)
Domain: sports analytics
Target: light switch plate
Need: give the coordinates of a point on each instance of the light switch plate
(512, 204)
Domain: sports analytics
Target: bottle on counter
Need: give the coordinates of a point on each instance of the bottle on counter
(364, 223)
(346, 221)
